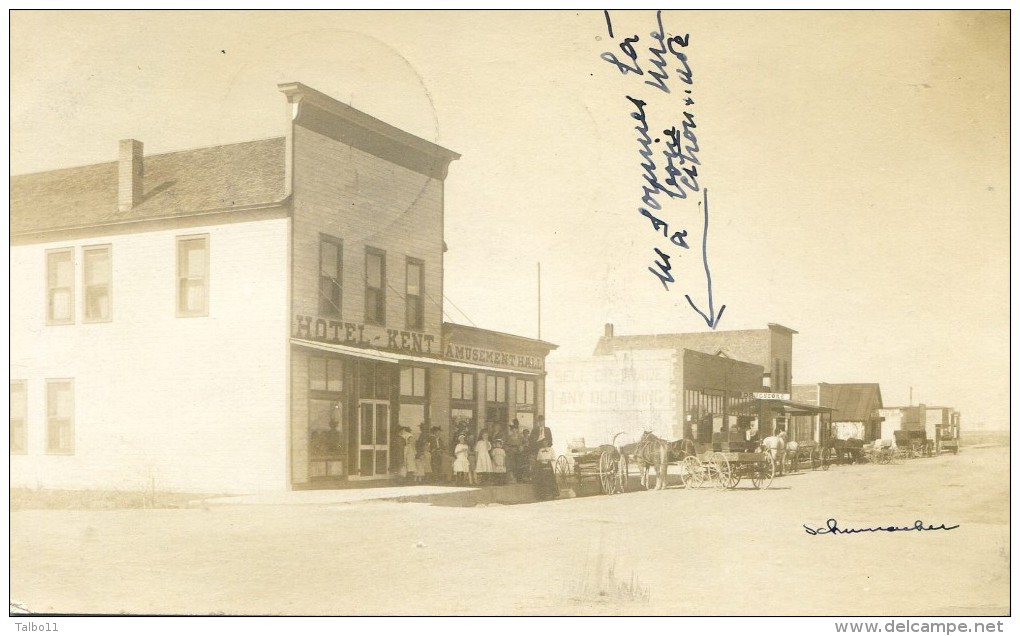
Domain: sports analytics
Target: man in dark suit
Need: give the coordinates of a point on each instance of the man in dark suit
(542, 473)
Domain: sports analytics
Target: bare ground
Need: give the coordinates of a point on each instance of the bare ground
(676, 552)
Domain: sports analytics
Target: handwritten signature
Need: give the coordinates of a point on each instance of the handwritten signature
(832, 527)
(676, 174)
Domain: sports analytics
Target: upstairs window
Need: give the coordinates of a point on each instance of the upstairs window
(415, 293)
(330, 276)
(97, 281)
(193, 276)
(60, 287)
(375, 287)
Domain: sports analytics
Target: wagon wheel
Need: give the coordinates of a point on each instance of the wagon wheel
(622, 473)
(692, 473)
(764, 471)
(562, 468)
(725, 472)
(824, 457)
(608, 469)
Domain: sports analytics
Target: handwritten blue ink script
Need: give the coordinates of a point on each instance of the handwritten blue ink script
(668, 155)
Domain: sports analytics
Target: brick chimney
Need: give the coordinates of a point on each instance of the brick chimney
(129, 174)
(609, 330)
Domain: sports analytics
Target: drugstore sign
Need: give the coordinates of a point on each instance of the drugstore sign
(766, 396)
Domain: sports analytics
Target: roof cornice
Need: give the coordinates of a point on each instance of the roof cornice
(301, 97)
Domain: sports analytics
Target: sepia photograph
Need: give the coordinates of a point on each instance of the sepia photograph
(475, 313)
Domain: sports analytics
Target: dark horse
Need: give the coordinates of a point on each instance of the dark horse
(653, 452)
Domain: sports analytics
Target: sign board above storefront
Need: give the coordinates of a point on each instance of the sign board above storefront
(358, 335)
(765, 396)
(475, 355)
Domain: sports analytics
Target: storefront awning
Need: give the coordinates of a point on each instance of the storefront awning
(397, 358)
(797, 408)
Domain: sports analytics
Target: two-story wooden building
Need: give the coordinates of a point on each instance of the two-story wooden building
(254, 316)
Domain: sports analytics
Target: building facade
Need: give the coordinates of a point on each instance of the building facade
(930, 419)
(257, 316)
(694, 386)
(855, 409)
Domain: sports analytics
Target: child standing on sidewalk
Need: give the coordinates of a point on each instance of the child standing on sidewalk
(461, 465)
(499, 462)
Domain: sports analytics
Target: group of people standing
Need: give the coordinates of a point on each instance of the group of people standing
(493, 458)
(417, 458)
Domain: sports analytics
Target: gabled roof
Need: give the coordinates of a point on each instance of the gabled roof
(854, 401)
(176, 184)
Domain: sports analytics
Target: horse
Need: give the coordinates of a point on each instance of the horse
(653, 452)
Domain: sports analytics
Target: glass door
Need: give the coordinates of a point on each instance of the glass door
(373, 438)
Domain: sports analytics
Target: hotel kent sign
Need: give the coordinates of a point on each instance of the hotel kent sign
(358, 335)
(371, 337)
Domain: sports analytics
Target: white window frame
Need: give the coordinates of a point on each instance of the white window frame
(178, 295)
(50, 450)
(85, 285)
(24, 419)
(50, 320)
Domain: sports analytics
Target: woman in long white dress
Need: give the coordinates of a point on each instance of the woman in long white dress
(461, 464)
(483, 461)
(410, 466)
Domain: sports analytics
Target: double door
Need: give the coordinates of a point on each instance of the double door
(373, 438)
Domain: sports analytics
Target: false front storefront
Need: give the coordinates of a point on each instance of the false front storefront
(355, 407)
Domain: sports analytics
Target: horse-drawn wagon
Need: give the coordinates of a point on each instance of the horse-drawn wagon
(603, 465)
(911, 444)
(722, 464)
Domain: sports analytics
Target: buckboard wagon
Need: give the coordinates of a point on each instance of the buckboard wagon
(603, 465)
(725, 468)
(722, 466)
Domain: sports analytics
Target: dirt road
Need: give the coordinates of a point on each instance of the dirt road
(705, 552)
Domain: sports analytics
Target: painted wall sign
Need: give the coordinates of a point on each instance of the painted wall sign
(488, 356)
(358, 335)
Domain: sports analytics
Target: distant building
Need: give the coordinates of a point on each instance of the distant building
(693, 385)
(254, 316)
(930, 419)
(770, 348)
(855, 409)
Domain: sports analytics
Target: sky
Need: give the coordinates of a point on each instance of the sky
(858, 163)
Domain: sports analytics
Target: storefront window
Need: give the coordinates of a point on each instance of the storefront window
(495, 388)
(326, 375)
(525, 392)
(412, 381)
(462, 386)
(326, 430)
(461, 421)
